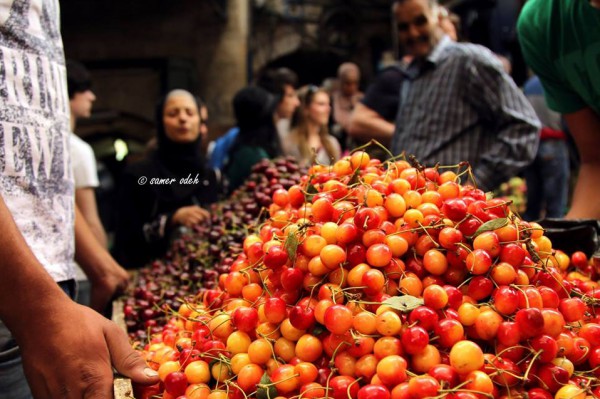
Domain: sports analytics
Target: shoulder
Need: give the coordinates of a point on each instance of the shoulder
(540, 20)
(390, 73)
(252, 151)
(534, 13)
(474, 56)
(80, 147)
(471, 51)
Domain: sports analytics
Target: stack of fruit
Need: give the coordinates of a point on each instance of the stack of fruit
(386, 281)
(197, 258)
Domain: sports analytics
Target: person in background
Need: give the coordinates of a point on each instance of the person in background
(450, 23)
(81, 99)
(559, 39)
(310, 140)
(203, 120)
(83, 161)
(150, 213)
(547, 177)
(457, 103)
(281, 83)
(257, 139)
(374, 116)
(344, 99)
(50, 346)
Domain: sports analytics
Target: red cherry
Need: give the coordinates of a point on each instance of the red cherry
(302, 317)
(455, 209)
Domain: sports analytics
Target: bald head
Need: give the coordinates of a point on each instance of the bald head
(348, 70)
(349, 78)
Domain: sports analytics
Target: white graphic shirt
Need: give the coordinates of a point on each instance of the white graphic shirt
(36, 180)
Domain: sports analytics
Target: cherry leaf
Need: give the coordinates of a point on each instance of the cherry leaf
(404, 303)
(266, 389)
(311, 190)
(491, 225)
(291, 245)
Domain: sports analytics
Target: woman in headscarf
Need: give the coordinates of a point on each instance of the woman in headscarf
(169, 189)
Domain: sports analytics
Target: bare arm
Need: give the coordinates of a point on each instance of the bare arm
(105, 275)
(585, 127)
(366, 124)
(66, 347)
(85, 199)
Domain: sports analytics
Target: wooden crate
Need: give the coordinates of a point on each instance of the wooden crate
(122, 388)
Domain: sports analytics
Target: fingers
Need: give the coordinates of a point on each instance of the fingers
(126, 360)
(194, 215)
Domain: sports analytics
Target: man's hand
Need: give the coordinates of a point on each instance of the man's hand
(190, 215)
(106, 277)
(104, 287)
(70, 354)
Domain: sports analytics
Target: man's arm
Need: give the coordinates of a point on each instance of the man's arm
(507, 115)
(65, 347)
(585, 128)
(105, 275)
(85, 198)
(366, 124)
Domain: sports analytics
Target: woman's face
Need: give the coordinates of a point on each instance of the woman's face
(181, 118)
(319, 109)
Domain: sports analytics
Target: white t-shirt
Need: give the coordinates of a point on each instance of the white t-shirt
(83, 161)
(36, 179)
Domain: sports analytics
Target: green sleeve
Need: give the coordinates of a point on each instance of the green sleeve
(241, 164)
(536, 39)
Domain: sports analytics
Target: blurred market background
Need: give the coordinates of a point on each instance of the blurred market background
(137, 50)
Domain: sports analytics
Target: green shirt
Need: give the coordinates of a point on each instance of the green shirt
(241, 163)
(561, 43)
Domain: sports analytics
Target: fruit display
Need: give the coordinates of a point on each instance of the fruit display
(196, 258)
(386, 281)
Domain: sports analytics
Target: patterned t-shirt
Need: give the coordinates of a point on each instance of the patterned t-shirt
(36, 180)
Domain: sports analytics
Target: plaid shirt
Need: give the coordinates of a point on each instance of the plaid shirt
(460, 105)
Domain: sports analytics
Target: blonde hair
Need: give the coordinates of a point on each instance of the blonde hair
(299, 133)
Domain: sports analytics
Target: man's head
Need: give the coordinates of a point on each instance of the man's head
(418, 26)
(349, 78)
(281, 82)
(595, 3)
(79, 85)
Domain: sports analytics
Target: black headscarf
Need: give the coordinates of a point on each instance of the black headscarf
(254, 108)
(176, 160)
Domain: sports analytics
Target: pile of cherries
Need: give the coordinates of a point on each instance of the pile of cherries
(376, 280)
(196, 258)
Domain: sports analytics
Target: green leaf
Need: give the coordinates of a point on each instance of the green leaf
(311, 190)
(291, 245)
(491, 225)
(404, 303)
(266, 388)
